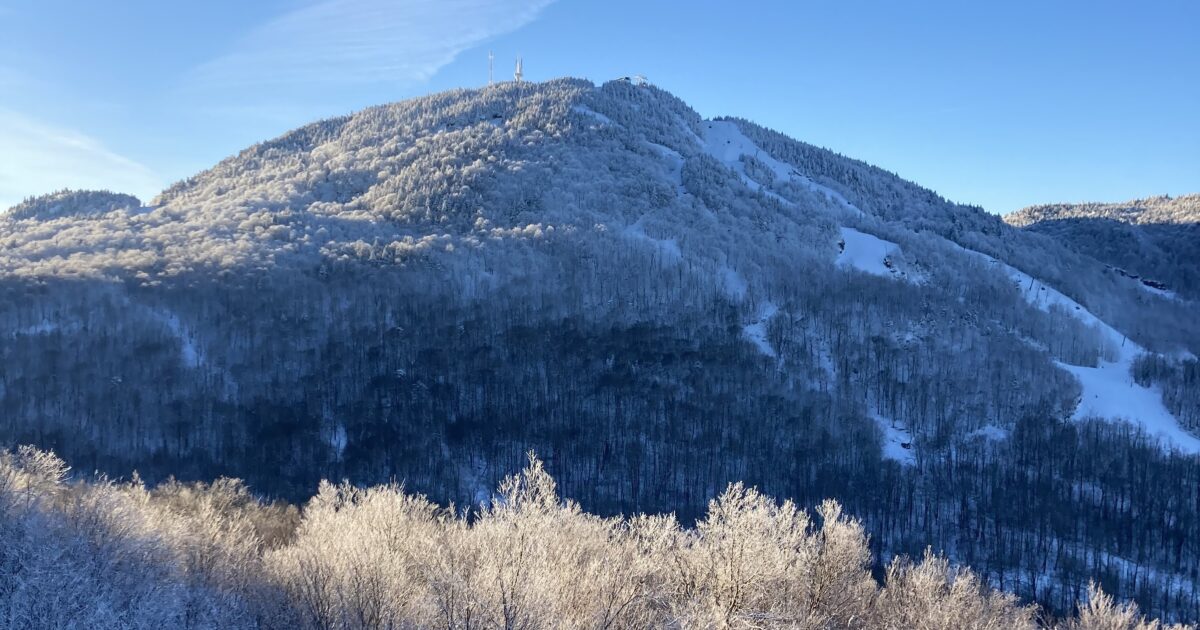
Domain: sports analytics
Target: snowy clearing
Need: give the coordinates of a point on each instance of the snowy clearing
(895, 436)
(756, 331)
(732, 283)
(1110, 392)
(867, 253)
(587, 111)
(667, 246)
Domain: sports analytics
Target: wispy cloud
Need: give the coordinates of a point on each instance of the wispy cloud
(363, 41)
(37, 158)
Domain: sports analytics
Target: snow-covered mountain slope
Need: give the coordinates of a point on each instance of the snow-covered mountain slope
(1108, 388)
(723, 140)
(1151, 243)
(869, 254)
(655, 302)
(1153, 210)
(470, 182)
(73, 204)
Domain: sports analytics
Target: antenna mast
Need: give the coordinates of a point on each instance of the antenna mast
(491, 64)
(519, 72)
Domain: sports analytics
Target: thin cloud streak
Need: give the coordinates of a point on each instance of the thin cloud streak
(362, 41)
(39, 158)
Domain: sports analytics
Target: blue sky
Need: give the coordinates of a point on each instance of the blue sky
(1000, 104)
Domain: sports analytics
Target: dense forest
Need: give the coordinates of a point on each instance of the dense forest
(657, 304)
(99, 554)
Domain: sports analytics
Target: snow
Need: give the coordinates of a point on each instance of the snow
(989, 432)
(725, 142)
(866, 253)
(1044, 297)
(756, 331)
(668, 246)
(894, 437)
(1170, 295)
(587, 111)
(732, 282)
(675, 160)
(187, 346)
(825, 362)
(1108, 390)
(44, 328)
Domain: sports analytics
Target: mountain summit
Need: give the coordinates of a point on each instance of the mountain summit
(656, 303)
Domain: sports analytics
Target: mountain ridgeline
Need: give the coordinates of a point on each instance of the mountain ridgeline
(1155, 239)
(656, 303)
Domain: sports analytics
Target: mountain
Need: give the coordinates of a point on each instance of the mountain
(75, 204)
(1163, 209)
(655, 303)
(1154, 240)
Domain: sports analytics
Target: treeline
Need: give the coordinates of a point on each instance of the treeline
(101, 554)
(1179, 380)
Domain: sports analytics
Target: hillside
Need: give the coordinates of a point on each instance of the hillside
(1152, 240)
(73, 204)
(1152, 210)
(656, 303)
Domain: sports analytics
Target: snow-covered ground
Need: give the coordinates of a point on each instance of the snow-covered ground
(1109, 390)
(756, 332)
(675, 160)
(1044, 296)
(866, 253)
(668, 246)
(187, 343)
(895, 436)
(1170, 295)
(732, 282)
(724, 141)
(587, 111)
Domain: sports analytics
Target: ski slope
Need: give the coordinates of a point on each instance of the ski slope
(866, 253)
(727, 144)
(1109, 390)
